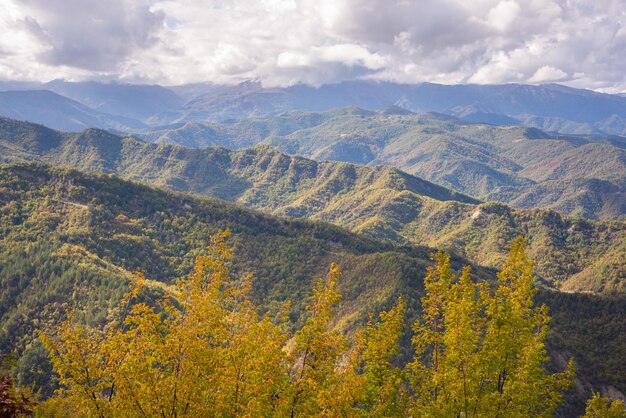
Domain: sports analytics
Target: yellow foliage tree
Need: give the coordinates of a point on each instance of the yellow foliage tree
(599, 407)
(202, 352)
(480, 351)
(384, 388)
(316, 352)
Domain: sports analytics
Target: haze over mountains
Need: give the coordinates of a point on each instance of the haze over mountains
(551, 107)
(51, 109)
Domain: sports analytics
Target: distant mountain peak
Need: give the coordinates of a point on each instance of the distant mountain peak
(395, 110)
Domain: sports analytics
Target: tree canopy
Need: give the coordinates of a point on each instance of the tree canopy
(203, 350)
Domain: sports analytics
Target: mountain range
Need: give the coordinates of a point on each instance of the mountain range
(375, 176)
(577, 174)
(524, 167)
(380, 202)
(72, 240)
(550, 107)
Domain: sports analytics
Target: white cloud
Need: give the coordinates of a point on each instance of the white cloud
(316, 41)
(502, 15)
(74, 38)
(547, 73)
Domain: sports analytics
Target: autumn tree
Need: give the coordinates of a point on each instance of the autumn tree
(479, 351)
(384, 389)
(203, 351)
(599, 407)
(330, 379)
(317, 349)
(14, 400)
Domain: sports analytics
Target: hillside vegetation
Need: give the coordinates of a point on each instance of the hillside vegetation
(71, 240)
(381, 202)
(578, 175)
(205, 351)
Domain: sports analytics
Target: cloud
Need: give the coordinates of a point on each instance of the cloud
(502, 15)
(317, 41)
(82, 36)
(547, 73)
(94, 35)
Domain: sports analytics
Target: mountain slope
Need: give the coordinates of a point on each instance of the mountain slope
(115, 227)
(132, 101)
(380, 202)
(522, 166)
(69, 239)
(59, 112)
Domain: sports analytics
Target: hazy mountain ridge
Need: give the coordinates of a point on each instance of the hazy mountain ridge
(60, 112)
(551, 107)
(381, 202)
(133, 101)
(505, 103)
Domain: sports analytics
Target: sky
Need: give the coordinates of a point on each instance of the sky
(285, 42)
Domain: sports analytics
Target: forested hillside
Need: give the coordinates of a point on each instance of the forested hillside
(578, 175)
(212, 354)
(73, 240)
(381, 202)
